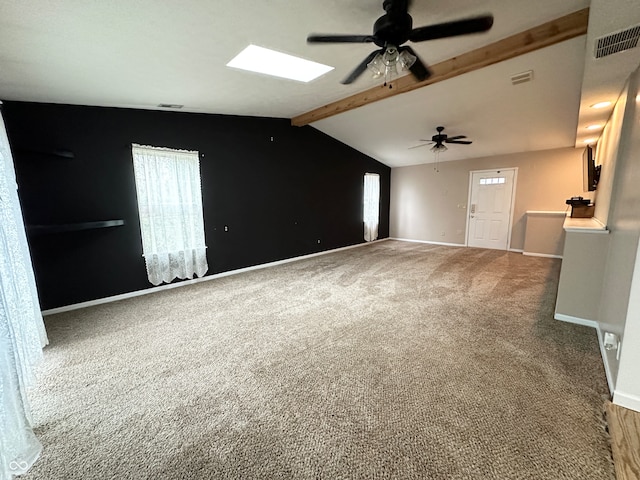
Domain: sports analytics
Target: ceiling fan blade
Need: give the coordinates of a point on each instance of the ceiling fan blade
(313, 38)
(418, 146)
(451, 29)
(360, 68)
(457, 137)
(461, 142)
(418, 69)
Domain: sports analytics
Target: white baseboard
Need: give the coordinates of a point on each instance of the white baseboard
(546, 255)
(603, 353)
(515, 250)
(576, 320)
(184, 283)
(632, 402)
(429, 242)
(605, 361)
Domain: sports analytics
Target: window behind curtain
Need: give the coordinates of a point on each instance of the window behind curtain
(371, 201)
(170, 209)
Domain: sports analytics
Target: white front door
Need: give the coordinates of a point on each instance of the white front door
(491, 196)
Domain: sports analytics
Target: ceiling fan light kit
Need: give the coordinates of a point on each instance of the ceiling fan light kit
(406, 60)
(439, 147)
(391, 31)
(386, 64)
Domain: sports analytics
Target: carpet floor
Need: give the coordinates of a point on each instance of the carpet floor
(392, 360)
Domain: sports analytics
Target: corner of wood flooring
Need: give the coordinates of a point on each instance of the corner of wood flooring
(624, 430)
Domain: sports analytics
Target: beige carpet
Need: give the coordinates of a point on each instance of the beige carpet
(393, 360)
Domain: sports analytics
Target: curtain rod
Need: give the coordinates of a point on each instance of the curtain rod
(132, 144)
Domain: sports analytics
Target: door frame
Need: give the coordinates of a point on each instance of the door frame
(511, 208)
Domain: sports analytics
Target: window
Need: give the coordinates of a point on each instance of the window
(492, 181)
(371, 201)
(170, 209)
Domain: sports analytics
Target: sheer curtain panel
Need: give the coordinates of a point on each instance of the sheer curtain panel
(22, 333)
(371, 202)
(170, 209)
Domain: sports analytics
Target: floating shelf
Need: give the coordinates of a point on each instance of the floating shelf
(52, 153)
(73, 227)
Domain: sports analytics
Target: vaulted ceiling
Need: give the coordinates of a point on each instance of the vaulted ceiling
(145, 53)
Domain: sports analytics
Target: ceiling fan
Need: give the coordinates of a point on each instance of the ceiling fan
(392, 30)
(438, 141)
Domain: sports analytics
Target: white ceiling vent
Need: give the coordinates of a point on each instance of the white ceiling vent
(617, 42)
(523, 77)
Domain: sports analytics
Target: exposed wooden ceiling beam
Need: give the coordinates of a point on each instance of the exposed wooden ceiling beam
(550, 33)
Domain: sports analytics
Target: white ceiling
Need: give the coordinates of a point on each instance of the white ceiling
(141, 53)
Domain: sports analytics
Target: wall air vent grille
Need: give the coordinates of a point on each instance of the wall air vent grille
(617, 42)
(523, 77)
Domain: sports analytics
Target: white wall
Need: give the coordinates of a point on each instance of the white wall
(607, 157)
(431, 206)
(580, 284)
(627, 391)
(544, 234)
(619, 304)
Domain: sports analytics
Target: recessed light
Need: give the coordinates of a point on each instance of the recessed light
(600, 104)
(262, 60)
(594, 127)
(590, 140)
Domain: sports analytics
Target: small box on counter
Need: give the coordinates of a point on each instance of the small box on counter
(582, 211)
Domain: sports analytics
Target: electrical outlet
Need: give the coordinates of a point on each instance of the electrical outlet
(318, 240)
(226, 228)
(442, 234)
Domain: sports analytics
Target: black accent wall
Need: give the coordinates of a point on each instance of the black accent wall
(278, 188)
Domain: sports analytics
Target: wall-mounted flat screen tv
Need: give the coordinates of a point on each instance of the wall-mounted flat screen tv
(590, 172)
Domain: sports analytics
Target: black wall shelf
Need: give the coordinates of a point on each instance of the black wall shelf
(73, 227)
(60, 153)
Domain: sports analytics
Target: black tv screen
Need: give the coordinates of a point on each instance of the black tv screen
(590, 173)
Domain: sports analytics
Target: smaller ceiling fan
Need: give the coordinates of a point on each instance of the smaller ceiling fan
(438, 141)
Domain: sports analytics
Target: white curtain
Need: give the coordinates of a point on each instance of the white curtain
(170, 209)
(22, 333)
(371, 202)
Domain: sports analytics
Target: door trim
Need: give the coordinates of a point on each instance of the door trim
(511, 208)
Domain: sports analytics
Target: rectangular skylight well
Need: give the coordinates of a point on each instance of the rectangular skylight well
(262, 60)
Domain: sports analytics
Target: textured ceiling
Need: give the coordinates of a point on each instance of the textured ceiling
(142, 53)
(604, 78)
(483, 105)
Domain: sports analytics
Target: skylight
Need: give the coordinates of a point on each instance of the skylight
(262, 60)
